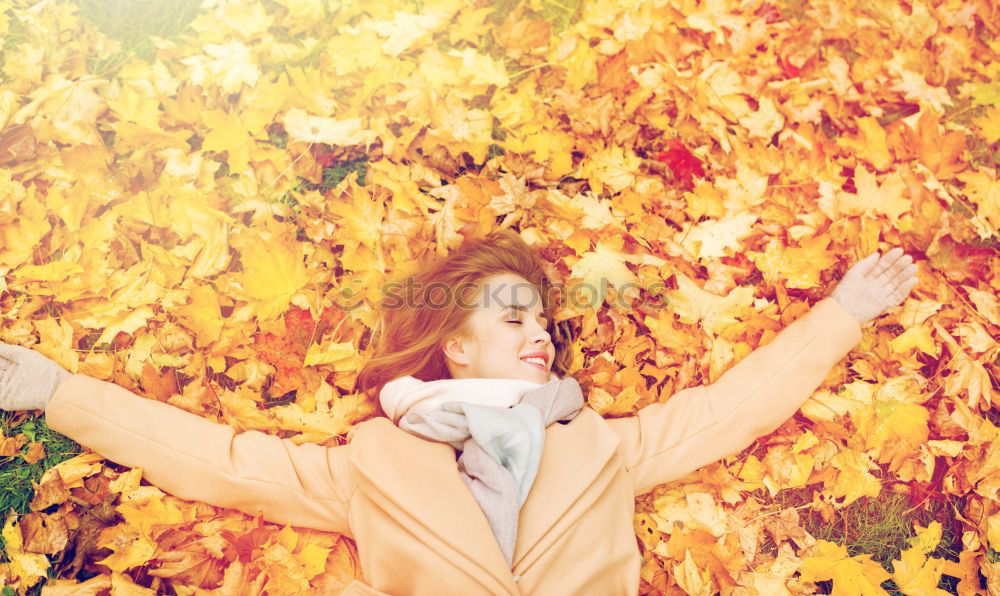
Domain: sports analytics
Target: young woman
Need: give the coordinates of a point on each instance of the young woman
(484, 472)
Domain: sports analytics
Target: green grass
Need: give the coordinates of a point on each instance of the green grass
(16, 475)
(134, 23)
(880, 527)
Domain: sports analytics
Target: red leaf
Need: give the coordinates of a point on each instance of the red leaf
(682, 163)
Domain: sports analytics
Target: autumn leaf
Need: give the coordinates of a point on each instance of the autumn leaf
(184, 215)
(598, 269)
(852, 576)
(272, 275)
(684, 165)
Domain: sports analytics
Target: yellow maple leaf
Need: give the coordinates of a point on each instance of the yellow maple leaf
(691, 578)
(457, 128)
(993, 531)
(971, 377)
(131, 548)
(580, 65)
(23, 221)
(710, 238)
(983, 188)
(273, 271)
(228, 133)
(552, 147)
(66, 111)
(260, 105)
(202, 315)
(307, 128)
(917, 336)
(855, 480)
(229, 65)
(334, 353)
(751, 472)
(312, 557)
(25, 567)
(74, 470)
(989, 124)
(926, 538)
(57, 342)
(143, 514)
(121, 583)
(765, 122)
(855, 400)
(916, 574)
(787, 468)
(715, 313)
(886, 198)
(744, 192)
(133, 105)
(800, 265)
(852, 576)
(869, 144)
(405, 29)
(597, 269)
(895, 431)
(359, 219)
(614, 166)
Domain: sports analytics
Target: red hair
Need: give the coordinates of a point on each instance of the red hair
(408, 339)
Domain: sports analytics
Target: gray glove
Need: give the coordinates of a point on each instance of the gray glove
(875, 284)
(28, 380)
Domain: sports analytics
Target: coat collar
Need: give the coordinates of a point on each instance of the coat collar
(417, 482)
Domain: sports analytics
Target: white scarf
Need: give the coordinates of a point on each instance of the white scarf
(502, 437)
(408, 394)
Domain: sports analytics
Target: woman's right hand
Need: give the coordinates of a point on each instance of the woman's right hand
(28, 380)
(876, 283)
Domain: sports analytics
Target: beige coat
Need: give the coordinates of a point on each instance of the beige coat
(417, 527)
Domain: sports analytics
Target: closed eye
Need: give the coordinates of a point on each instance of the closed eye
(518, 322)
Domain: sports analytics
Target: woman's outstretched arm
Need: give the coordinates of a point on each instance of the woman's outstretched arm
(184, 454)
(699, 425)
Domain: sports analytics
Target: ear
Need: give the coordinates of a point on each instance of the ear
(455, 350)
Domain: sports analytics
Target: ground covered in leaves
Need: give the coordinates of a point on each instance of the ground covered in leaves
(199, 201)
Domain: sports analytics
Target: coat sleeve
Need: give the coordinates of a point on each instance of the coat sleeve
(699, 425)
(193, 458)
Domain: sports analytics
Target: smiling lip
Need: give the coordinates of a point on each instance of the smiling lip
(538, 366)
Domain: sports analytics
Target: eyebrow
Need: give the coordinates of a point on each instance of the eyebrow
(518, 307)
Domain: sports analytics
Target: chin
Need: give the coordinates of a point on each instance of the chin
(537, 376)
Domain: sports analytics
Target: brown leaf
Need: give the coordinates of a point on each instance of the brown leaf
(36, 452)
(99, 584)
(159, 385)
(523, 36)
(49, 493)
(11, 446)
(940, 153)
(785, 525)
(43, 533)
(17, 144)
(190, 565)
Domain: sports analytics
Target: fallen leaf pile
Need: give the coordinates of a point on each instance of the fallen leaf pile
(208, 222)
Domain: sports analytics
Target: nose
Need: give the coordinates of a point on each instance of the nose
(540, 335)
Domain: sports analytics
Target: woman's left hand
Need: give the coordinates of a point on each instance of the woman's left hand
(876, 283)
(28, 380)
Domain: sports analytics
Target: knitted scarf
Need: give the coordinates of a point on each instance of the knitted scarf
(497, 424)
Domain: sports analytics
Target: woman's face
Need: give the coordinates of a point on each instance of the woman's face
(507, 326)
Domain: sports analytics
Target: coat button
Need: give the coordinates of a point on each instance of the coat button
(517, 578)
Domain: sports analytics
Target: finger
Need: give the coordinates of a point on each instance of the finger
(901, 292)
(865, 265)
(888, 261)
(903, 274)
